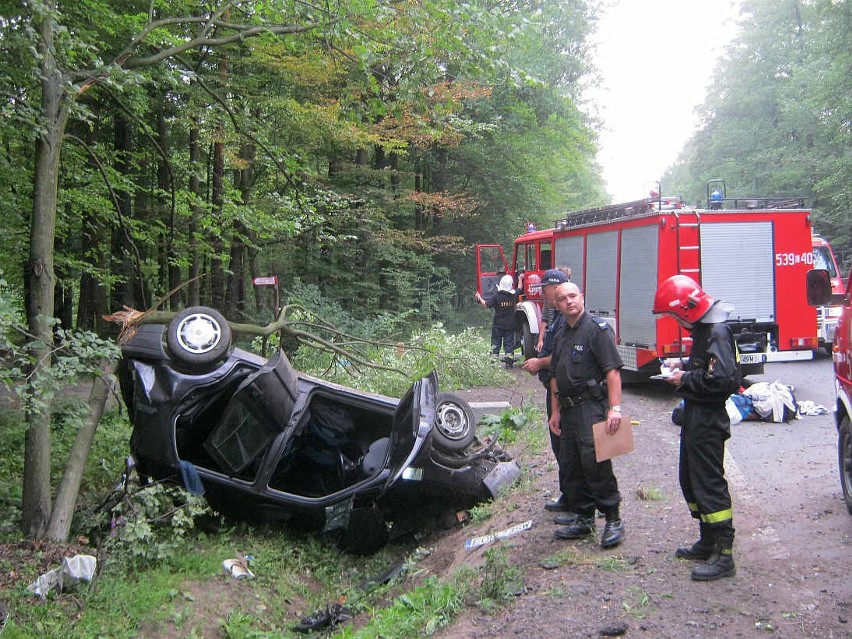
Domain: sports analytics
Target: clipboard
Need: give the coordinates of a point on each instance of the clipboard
(609, 446)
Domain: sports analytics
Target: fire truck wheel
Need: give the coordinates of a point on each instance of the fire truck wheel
(844, 454)
(454, 423)
(198, 337)
(528, 342)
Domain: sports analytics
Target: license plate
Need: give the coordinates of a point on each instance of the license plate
(752, 358)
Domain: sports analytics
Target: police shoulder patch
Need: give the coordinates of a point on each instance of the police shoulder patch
(602, 323)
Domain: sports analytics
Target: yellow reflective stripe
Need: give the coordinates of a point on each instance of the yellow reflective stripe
(736, 351)
(693, 508)
(721, 515)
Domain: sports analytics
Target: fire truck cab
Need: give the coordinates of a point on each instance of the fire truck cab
(821, 292)
(752, 253)
(828, 314)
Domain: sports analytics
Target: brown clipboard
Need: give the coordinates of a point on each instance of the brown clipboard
(609, 446)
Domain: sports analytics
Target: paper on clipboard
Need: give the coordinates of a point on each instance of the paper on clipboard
(609, 446)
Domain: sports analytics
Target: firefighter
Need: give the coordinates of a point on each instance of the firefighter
(503, 325)
(585, 389)
(705, 382)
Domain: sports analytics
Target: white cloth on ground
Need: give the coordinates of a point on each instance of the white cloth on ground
(770, 398)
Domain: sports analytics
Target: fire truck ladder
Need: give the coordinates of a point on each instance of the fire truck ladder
(689, 244)
(611, 213)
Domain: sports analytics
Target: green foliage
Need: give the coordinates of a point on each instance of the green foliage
(511, 422)
(153, 524)
(776, 119)
(500, 580)
(461, 361)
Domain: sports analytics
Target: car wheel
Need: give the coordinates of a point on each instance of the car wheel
(198, 337)
(844, 455)
(454, 423)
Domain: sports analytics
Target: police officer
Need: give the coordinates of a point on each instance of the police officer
(585, 389)
(552, 321)
(709, 377)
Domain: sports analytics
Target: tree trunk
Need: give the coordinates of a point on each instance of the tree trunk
(194, 292)
(122, 294)
(66, 496)
(40, 280)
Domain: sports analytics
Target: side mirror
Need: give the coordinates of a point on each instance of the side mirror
(819, 287)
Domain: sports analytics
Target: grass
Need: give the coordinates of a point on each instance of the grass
(169, 582)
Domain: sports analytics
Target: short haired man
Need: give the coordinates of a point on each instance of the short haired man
(551, 323)
(585, 389)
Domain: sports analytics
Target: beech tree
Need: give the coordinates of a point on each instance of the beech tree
(351, 143)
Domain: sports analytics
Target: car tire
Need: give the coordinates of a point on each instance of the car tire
(198, 337)
(844, 455)
(455, 428)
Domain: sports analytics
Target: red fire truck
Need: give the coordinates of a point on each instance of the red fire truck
(821, 287)
(828, 314)
(752, 253)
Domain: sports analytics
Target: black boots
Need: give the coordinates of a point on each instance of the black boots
(581, 527)
(701, 549)
(721, 561)
(565, 519)
(613, 533)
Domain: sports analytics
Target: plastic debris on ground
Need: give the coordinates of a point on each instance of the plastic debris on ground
(508, 532)
(811, 409)
(321, 619)
(238, 568)
(74, 570)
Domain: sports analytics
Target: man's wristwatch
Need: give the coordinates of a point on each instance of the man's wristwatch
(617, 409)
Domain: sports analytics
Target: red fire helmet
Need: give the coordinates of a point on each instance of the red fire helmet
(681, 296)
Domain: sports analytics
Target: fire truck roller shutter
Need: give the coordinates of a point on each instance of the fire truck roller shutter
(637, 285)
(737, 266)
(601, 262)
(569, 252)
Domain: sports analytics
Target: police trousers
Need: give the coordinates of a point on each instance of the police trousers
(587, 483)
(706, 428)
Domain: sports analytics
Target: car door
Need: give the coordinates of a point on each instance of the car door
(412, 426)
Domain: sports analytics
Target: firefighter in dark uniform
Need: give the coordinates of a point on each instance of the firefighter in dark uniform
(705, 382)
(585, 389)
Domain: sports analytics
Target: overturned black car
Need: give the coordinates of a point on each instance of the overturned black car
(265, 442)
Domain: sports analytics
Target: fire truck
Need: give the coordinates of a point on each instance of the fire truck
(828, 314)
(821, 291)
(753, 253)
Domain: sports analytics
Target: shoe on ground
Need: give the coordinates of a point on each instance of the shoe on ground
(699, 551)
(580, 529)
(613, 534)
(565, 519)
(556, 506)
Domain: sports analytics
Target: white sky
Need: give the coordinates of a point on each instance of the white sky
(656, 59)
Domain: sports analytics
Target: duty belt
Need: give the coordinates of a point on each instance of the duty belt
(568, 401)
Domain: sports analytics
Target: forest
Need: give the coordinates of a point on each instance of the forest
(165, 153)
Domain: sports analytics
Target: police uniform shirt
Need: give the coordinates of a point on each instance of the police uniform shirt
(547, 344)
(583, 352)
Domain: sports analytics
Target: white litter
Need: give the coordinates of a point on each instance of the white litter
(74, 570)
(809, 408)
(487, 539)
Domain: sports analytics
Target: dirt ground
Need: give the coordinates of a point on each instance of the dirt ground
(576, 589)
